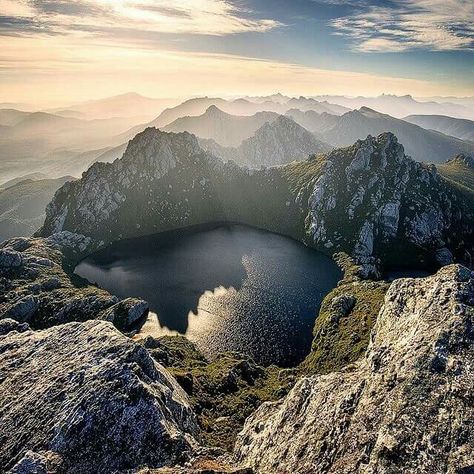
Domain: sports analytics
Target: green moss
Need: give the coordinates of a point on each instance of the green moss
(223, 392)
(340, 338)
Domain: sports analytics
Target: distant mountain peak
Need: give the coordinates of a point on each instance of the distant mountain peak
(215, 111)
(367, 110)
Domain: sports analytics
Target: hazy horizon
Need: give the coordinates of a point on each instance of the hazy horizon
(57, 52)
(51, 106)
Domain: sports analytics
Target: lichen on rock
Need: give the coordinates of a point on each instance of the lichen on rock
(93, 398)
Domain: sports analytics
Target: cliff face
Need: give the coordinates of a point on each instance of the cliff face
(374, 201)
(405, 407)
(369, 200)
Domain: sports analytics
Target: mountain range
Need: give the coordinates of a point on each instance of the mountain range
(401, 106)
(65, 141)
(369, 200)
(459, 128)
(277, 142)
(422, 144)
(224, 128)
(23, 204)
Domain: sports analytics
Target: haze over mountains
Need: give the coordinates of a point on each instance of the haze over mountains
(277, 142)
(67, 140)
(421, 144)
(459, 128)
(23, 203)
(401, 106)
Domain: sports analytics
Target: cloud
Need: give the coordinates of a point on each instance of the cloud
(436, 25)
(199, 17)
(55, 72)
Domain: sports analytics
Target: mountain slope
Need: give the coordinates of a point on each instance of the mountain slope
(459, 169)
(369, 200)
(243, 106)
(401, 106)
(30, 176)
(275, 143)
(22, 206)
(459, 128)
(421, 144)
(225, 129)
(10, 117)
(312, 121)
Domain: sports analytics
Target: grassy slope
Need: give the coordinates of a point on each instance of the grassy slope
(223, 392)
(458, 172)
(341, 339)
(22, 206)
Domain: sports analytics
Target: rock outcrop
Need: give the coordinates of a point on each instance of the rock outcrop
(82, 397)
(405, 407)
(35, 288)
(376, 203)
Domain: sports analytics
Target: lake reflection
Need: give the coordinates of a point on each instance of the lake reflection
(226, 288)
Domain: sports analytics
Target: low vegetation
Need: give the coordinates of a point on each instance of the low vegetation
(223, 392)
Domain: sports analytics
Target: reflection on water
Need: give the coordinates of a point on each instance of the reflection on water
(225, 288)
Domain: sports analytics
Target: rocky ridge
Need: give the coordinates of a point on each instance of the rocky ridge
(421, 144)
(369, 200)
(166, 181)
(405, 407)
(376, 203)
(275, 143)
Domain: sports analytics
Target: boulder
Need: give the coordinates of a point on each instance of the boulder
(91, 397)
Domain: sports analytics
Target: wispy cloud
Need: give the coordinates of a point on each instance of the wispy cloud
(438, 25)
(202, 17)
(55, 72)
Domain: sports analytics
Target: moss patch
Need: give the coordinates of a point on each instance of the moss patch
(346, 318)
(223, 392)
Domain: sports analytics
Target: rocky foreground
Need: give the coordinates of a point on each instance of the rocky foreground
(81, 397)
(88, 399)
(407, 406)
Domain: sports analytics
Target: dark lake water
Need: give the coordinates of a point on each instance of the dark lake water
(226, 288)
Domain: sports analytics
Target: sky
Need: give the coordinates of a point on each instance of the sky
(63, 51)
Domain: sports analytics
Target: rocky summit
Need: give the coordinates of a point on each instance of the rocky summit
(404, 407)
(369, 200)
(275, 143)
(374, 200)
